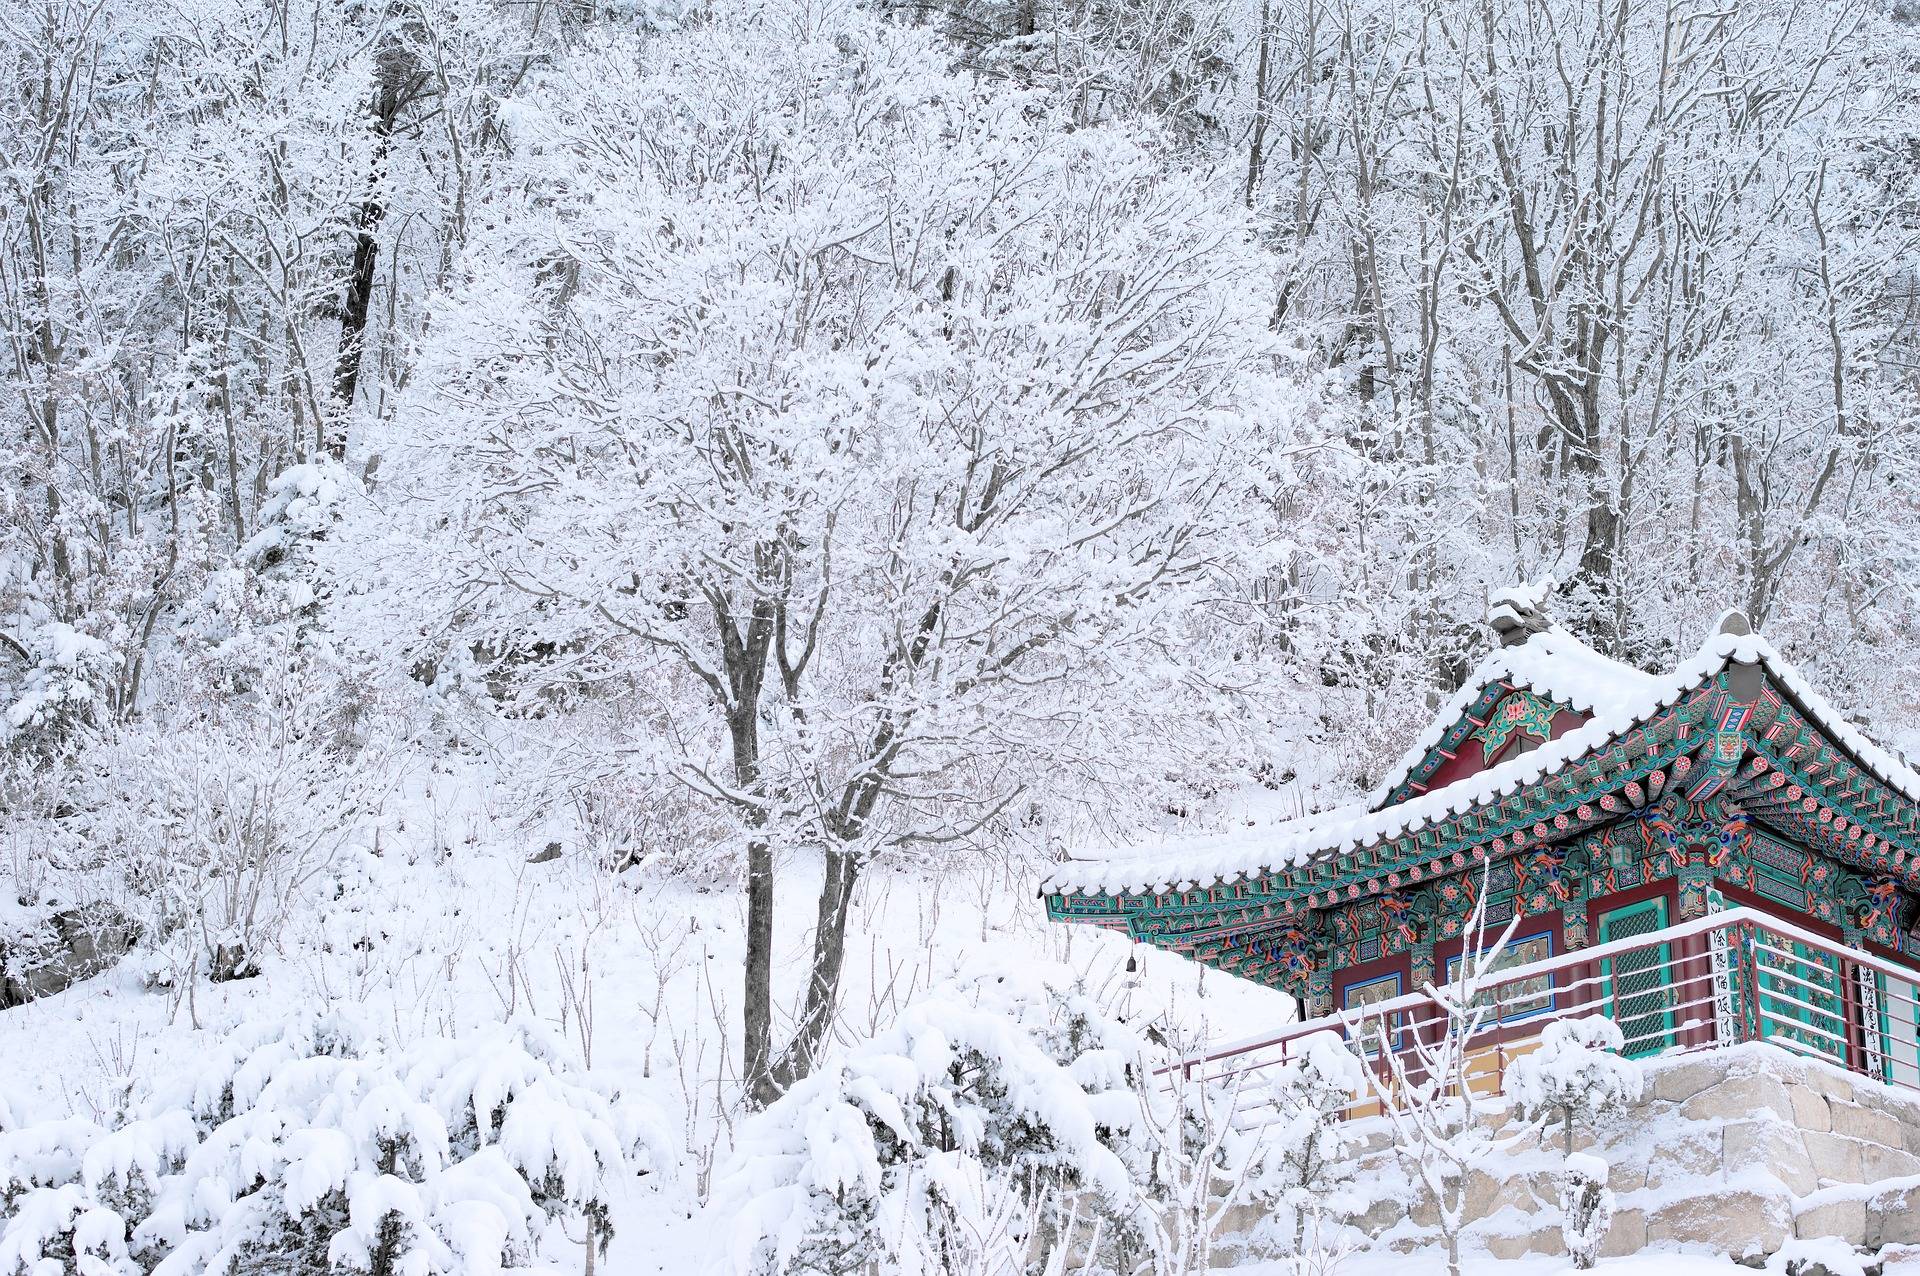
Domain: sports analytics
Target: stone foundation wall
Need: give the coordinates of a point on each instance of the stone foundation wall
(1740, 1149)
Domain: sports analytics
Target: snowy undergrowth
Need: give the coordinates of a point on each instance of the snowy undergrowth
(309, 1145)
(430, 923)
(945, 1138)
(1838, 1258)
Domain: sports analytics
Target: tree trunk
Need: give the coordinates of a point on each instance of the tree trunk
(744, 658)
(829, 960)
(762, 1088)
(366, 252)
(756, 1005)
(1257, 143)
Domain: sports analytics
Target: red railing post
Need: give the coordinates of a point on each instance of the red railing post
(1853, 1029)
(1693, 969)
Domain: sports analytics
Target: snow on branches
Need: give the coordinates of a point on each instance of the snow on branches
(308, 1146)
(956, 408)
(947, 1135)
(1304, 1147)
(1427, 1089)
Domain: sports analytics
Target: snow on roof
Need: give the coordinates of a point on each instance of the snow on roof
(1888, 767)
(1553, 664)
(1210, 860)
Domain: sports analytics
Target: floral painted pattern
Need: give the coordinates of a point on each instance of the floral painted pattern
(1521, 711)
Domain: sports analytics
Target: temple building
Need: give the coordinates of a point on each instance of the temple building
(1611, 811)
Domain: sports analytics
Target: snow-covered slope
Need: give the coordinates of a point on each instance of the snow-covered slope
(447, 930)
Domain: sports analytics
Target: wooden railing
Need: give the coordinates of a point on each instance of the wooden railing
(1734, 976)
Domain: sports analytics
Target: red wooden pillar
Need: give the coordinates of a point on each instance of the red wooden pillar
(1583, 983)
(1691, 986)
(1848, 973)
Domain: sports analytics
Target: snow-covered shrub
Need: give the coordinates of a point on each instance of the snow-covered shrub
(303, 504)
(56, 1231)
(1586, 1207)
(1576, 1074)
(307, 1146)
(1001, 1084)
(242, 810)
(65, 690)
(1303, 1148)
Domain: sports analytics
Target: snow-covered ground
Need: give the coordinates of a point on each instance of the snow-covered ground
(448, 930)
(432, 920)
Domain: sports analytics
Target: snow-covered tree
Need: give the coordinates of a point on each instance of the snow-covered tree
(201, 252)
(1476, 245)
(68, 687)
(879, 435)
(1576, 1074)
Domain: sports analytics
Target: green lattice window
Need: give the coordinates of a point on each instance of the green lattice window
(1636, 982)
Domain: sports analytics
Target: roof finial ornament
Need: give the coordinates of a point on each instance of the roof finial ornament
(1734, 621)
(1518, 611)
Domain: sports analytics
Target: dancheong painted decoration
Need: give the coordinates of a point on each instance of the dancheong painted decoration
(1593, 801)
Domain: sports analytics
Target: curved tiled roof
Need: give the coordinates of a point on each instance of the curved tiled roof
(1615, 710)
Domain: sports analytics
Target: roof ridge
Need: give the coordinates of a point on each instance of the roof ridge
(1118, 875)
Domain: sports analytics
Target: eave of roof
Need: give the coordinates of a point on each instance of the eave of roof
(1223, 858)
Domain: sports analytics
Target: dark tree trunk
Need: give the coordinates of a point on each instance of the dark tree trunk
(366, 252)
(1257, 143)
(829, 960)
(762, 1088)
(744, 659)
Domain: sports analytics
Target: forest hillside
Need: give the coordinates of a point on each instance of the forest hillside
(567, 567)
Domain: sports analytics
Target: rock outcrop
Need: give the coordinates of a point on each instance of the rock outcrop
(61, 949)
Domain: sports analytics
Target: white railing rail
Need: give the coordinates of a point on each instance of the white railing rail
(1732, 976)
